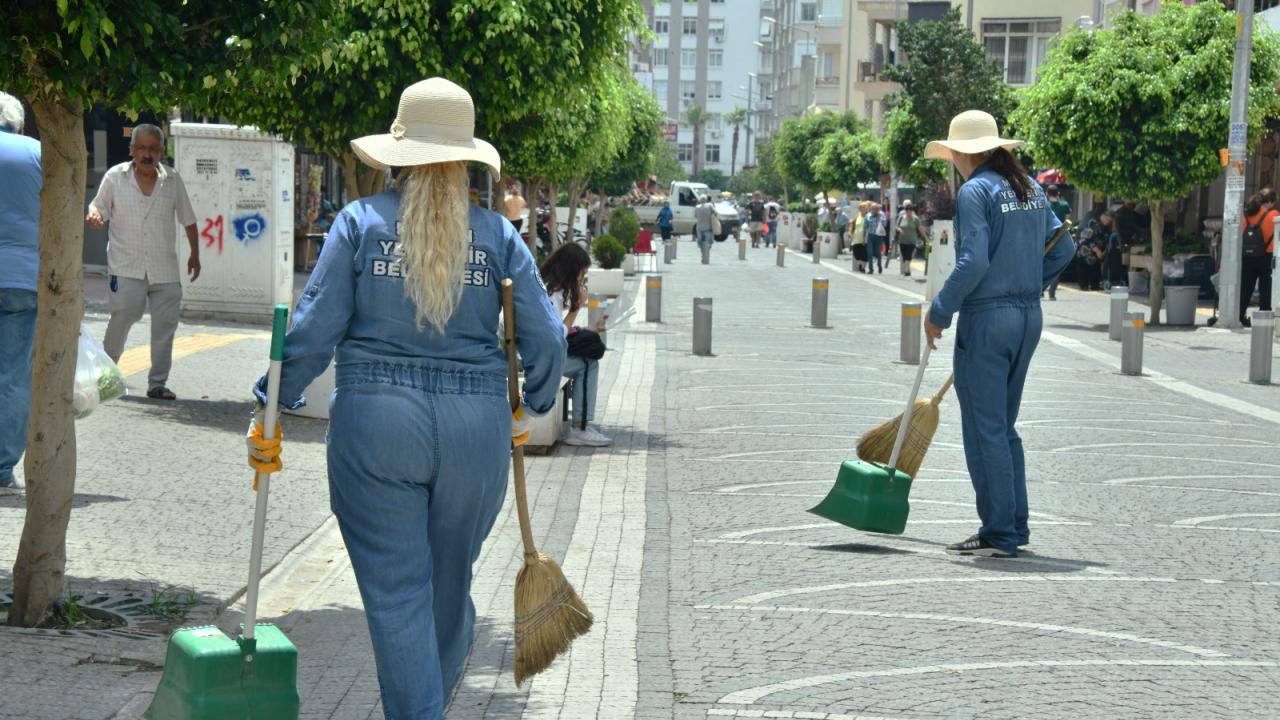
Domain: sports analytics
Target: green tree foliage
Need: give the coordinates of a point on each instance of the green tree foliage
(624, 225)
(769, 179)
(946, 73)
(636, 159)
(608, 251)
(712, 178)
(800, 140)
(520, 62)
(1140, 110)
(847, 160)
(696, 118)
(135, 55)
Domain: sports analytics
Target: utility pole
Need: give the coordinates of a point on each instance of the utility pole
(1237, 143)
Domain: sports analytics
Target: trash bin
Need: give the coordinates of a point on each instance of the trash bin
(1180, 304)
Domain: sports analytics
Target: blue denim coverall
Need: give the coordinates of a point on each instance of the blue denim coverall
(1000, 272)
(419, 433)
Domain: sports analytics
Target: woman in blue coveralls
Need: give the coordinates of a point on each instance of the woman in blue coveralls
(1003, 224)
(408, 292)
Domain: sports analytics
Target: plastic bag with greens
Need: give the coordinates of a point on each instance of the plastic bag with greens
(97, 379)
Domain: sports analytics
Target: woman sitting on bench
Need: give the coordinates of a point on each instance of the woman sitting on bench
(564, 274)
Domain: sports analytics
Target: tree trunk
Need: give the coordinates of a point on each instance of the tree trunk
(575, 187)
(697, 151)
(1157, 260)
(553, 198)
(38, 572)
(351, 176)
(733, 156)
(531, 221)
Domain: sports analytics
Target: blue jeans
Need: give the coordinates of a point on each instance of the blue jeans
(585, 376)
(417, 474)
(771, 237)
(994, 346)
(705, 238)
(17, 336)
(875, 251)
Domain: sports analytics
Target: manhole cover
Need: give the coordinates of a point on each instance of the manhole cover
(124, 616)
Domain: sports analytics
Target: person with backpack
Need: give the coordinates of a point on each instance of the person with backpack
(665, 217)
(771, 211)
(877, 234)
(1257, 252)
(564, 273)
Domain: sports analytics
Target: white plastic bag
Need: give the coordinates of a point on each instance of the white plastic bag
(97, 380)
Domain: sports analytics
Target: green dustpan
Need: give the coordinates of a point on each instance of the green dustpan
(210, 676)
(870, 496)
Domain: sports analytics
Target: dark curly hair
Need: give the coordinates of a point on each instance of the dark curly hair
(560, 272)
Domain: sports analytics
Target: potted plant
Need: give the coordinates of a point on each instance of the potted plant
(606, 279)
(828, 239)
(624, 225)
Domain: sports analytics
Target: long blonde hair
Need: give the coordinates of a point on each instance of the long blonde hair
(435, 237)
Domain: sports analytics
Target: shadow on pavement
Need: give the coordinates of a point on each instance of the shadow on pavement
(861, 549)
(19, 500)
(1030, 562)
(221, 415)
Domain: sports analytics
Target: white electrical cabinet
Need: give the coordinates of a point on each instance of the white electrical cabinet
(241, 186)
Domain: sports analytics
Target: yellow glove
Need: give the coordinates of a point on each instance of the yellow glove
(264, 453)
(519, 427)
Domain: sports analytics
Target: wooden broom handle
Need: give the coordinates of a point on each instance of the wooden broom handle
(513, 396)
(1062, 231)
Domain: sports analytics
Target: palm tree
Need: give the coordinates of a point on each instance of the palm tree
(696, 117)
(736, 117)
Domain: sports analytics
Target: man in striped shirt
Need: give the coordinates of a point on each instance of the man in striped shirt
(140, 199)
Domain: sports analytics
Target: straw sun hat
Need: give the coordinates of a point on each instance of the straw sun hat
(972, 132)
(435, 123)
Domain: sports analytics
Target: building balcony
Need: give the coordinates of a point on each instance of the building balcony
(871, 81)
(883, 11)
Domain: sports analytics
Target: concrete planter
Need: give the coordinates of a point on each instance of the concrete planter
(829, 244)
(629, 265)
(605, 282)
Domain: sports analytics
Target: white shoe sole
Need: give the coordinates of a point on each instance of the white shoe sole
(983, 552)
(583, 442)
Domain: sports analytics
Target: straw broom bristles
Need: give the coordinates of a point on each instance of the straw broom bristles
(549, 614)
(877, 444)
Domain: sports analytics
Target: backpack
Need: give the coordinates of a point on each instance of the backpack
(1254, 243)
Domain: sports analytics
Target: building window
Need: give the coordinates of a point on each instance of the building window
(659, 57)
(661, 25)
(809, 11)
(714, 88)
(713, 154)
(688, 58)
(660, 91)
(713, 122)
(691, 26)
(684, 152)
(826, 65)
(715, 58)
(1019, 46)
(687, 91)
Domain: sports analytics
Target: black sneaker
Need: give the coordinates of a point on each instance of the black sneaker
(977, 546)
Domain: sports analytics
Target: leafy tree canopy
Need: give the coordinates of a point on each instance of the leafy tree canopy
(1140, 110)
(946, 73)
(712, 178)
(636, 159)
(800, 140)
(666, 166)
(847, 160)
(769, 179)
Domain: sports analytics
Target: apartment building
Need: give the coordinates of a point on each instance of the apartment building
(702, 56)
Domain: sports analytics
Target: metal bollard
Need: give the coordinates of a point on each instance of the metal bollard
(817, 254)
(1264, 337)
(653, 298)
(666, 253)
(909, 343)
(742, 249)
(706, 254)
(782, 255)
(818, 306)
(701, 326)
(595, 310)
(1119, 305)
(1131, 343)
(675, 246)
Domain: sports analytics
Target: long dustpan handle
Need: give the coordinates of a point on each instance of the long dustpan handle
(906, 416)
(513, 395)
(271, 418)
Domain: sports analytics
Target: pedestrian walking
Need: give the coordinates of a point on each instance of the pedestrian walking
(771, 212)
(665, 217)
(704, 223)
(1258, 252)
(877, 230)
(1061, 209)
(910, 233)
(140, 199)
(514, 204)
(19, 269)
(859, 235)
(406, 300)
(1091, 254)
(1003, 223)
(755, 217)
(565, 273)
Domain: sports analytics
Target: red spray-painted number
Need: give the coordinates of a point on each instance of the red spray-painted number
(210, 225)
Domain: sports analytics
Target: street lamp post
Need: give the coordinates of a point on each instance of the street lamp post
(1233, 202)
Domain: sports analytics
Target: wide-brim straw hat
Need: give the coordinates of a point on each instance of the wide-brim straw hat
(435, 123)
(972, 132)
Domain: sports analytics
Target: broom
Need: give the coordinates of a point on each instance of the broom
(922, 420)
(549, 614)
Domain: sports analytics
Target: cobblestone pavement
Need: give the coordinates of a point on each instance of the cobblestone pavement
(1150, 588)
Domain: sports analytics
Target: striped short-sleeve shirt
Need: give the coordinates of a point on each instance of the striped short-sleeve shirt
(141, 242)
